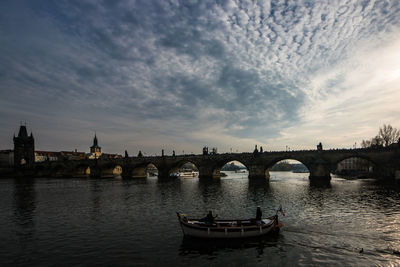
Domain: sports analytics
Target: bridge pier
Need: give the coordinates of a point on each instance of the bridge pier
(320, 173)
(386, 172)
(139, 172)
(208, 172)
(163, 174)
(258, 172)
(126, 172)
(95, 172)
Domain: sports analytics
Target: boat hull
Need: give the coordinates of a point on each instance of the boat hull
(218, 231)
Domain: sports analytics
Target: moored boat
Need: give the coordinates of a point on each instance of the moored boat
(188, 173)
(233, 228)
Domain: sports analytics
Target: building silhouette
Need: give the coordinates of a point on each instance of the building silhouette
(95, 150)
(24, 148)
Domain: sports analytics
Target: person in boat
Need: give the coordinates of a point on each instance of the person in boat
(209, 219)
(258, 214)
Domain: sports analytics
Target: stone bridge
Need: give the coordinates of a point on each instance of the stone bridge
(320, 163)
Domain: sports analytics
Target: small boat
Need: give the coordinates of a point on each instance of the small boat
(240, 228)
(188, 173)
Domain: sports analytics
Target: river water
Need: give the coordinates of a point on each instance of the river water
(114, 222)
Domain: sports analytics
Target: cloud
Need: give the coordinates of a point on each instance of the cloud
(147, 73)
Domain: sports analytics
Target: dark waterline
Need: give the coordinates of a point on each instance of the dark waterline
(64, 222)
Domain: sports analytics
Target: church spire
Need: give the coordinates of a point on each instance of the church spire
(95, 149)
(95, 140)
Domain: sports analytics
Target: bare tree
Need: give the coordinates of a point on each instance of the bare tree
(377, 141)
(388, 134)
(365, 143)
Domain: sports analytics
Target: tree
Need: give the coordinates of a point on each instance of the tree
(377, 141)
(388, 134)
(366, 143)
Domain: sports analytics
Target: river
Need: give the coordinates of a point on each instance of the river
(115, 222)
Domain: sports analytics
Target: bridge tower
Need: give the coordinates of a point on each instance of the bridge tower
(24, 148)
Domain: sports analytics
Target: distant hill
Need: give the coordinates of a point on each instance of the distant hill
(232, 167)
(279, 167)
(299, 167)
(287, 167)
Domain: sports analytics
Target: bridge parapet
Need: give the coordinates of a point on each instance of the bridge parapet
(320, 163)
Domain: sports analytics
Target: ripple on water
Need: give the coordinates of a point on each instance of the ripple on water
(117, 222)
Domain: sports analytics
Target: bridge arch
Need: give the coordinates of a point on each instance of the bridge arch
(111, 169)
(234, 166)
(59, 171)
(216, 168)
(273, 162)
(269, 165)
(141, 170)
(82, 170)
(360, 156)
(354, 166)
(151, 170)
(184, 168)
(286, 164)
(319, 163)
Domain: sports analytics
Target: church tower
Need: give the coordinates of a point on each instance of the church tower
(24, 148)
(95, 150)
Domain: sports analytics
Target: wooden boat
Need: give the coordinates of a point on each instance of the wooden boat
(228, 228)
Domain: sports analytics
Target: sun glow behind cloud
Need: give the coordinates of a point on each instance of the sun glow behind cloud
(365, 94)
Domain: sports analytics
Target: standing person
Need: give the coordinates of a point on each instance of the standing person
(258, 214)
(209, 218)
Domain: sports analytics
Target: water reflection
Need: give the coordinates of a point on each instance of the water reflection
(315, 183)
(47, 220)
(98, 189)
(259, 188)
(259, 185)
(24, 207)
(210, 192)
(134, 181)
(197, 246)
(24, 217)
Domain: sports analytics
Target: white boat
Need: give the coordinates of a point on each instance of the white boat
(234, 228)
(188, 174)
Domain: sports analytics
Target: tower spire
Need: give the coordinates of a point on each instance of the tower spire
(95, 140)
(95, 150)
(23, 133)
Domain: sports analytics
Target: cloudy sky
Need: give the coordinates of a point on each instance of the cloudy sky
(184, 74)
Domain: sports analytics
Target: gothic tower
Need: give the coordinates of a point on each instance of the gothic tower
(24, 148)
(95, 149)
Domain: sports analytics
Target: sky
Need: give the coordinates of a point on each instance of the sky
(179, 75)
